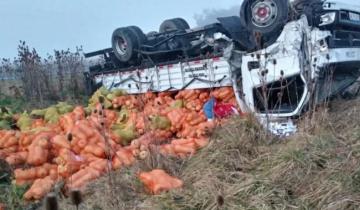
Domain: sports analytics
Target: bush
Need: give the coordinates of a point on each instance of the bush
(43, 81)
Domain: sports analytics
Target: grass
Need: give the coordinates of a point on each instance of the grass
(9, 193)
(20, 104)
(17, 105)
(12, 196)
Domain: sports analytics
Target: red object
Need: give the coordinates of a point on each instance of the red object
(223, 110)
(262, 12)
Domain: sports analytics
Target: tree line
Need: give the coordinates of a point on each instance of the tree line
(57, 77)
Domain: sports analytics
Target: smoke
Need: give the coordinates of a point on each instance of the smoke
(209, 16)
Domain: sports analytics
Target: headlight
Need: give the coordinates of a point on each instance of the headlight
(327, 19)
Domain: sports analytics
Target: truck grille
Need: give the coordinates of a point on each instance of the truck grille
(349, 16)
(348, 20)
(341, 39)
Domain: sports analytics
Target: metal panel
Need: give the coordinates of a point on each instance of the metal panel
(207, 73)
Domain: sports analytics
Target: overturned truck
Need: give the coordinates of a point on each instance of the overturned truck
(280, 57)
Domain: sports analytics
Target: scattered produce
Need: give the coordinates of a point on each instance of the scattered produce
(17, 158)
(80, 144)
(53, 113)
(40, 188)
(24, 122)
(157, 181)
(30, 175)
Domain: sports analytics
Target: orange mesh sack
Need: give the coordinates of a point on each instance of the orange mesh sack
(157, 181)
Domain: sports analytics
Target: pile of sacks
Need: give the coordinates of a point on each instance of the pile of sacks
(80, 144)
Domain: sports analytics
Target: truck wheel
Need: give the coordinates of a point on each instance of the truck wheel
(266, 17)
(125, 43)
(174, 24)
(138, 33)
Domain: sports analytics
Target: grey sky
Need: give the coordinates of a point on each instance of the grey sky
(62, 24)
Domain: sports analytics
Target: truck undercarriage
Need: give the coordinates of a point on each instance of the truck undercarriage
(280, 57)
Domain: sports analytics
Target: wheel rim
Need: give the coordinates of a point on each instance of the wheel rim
(121, 45)
(264, 13)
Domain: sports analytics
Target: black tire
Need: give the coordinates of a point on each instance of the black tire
(266, 17)
(141, 37)
(184, 23)
(175, 24)
(125, 43)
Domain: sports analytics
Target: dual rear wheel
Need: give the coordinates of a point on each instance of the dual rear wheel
(127, 41)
